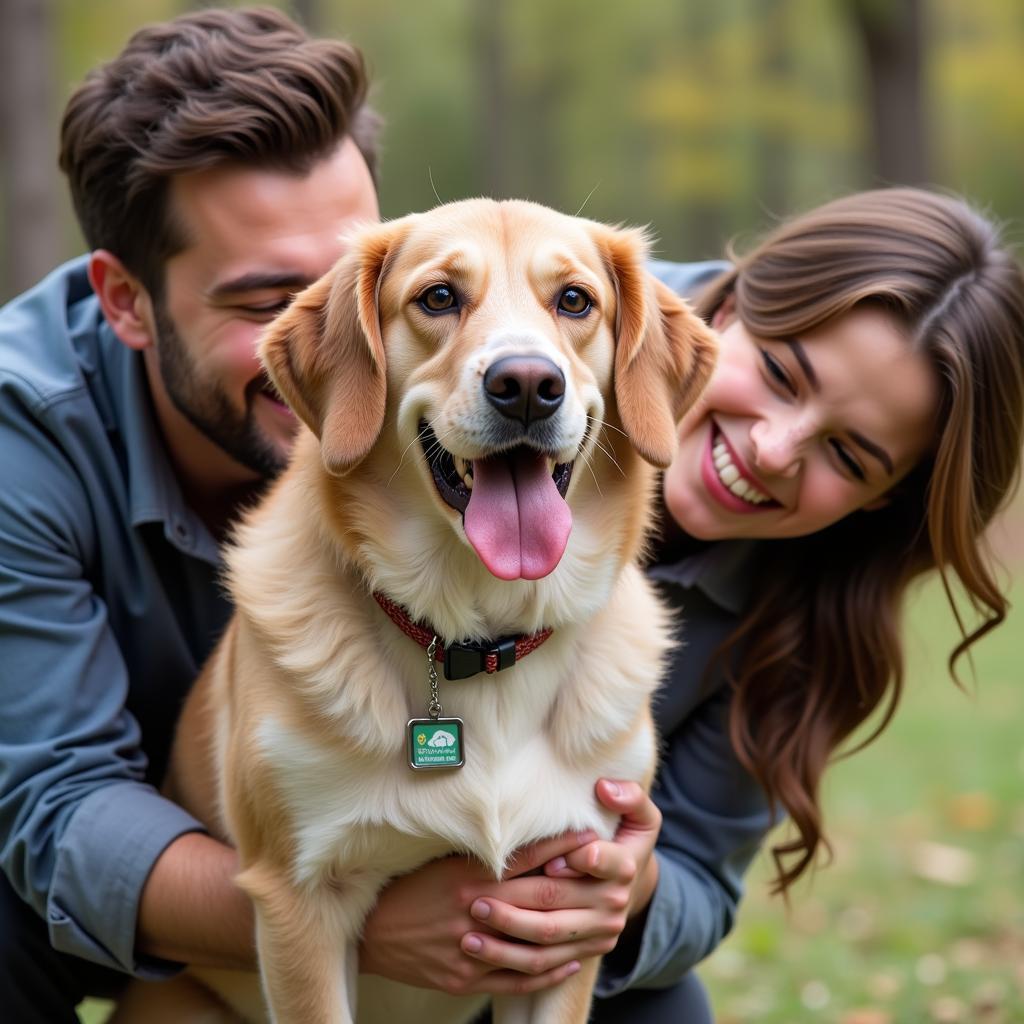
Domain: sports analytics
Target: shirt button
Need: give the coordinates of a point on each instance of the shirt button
(181, 531)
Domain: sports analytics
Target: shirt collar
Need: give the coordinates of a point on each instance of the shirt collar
(723, 572)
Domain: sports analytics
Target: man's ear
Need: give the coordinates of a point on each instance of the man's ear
(664, 353)
(125, 302)
(325, 353)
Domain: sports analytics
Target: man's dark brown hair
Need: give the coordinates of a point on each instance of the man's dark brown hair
(217, 86)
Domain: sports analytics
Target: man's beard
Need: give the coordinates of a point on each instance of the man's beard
(207, 408)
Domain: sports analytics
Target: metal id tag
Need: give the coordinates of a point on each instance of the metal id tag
(436, 743)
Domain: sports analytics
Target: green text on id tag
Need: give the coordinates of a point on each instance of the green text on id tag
(436, 743)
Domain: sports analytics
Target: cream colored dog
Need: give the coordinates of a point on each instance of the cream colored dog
(486, 387)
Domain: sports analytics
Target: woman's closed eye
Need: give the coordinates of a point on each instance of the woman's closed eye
(777, 372)
(849, 462)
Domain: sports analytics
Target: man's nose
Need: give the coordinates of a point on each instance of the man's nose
(778, 445)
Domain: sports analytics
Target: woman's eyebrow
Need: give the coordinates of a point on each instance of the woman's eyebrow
(812, 378)
(872, 449)
(805, 364)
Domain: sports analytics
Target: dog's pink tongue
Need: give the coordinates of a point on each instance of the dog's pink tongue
(517, 521)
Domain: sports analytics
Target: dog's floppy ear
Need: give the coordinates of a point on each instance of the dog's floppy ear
(325, 353)
(664, 353)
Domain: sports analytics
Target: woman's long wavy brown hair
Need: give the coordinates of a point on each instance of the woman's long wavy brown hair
(820, 648)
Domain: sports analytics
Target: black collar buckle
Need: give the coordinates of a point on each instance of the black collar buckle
(464, 660)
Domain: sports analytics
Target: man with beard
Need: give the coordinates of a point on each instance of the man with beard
(215, 166)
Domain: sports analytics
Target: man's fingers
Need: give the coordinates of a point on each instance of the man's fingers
(529, 858)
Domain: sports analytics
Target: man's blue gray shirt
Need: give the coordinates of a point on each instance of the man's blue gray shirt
(109, 604)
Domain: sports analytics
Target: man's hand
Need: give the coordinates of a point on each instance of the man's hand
(527, 932)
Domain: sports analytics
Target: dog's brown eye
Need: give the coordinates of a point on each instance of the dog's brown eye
(438, 299)
(574, 301)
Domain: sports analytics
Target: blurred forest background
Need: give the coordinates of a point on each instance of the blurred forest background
(707, 121)
(703, 119)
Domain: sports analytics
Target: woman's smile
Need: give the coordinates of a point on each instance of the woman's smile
(791, 435)
(729, 481)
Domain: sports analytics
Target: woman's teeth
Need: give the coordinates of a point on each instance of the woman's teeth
(731, 479)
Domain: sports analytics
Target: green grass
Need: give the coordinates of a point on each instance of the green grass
(920, 916)
(870, 939)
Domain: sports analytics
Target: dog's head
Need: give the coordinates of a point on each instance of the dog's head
(495, 346)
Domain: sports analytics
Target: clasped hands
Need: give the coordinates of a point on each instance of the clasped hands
(450, 926)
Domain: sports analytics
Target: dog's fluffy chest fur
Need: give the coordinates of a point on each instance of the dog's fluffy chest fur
(372, 817)
(537, 735)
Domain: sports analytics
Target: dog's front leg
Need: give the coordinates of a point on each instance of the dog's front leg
(566, 1003)
(306, 939)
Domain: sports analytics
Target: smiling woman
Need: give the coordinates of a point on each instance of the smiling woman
(863, 426)
(793, 435)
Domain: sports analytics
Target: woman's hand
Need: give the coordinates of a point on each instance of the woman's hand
(594, 890)
(414, 933)
(449, 926)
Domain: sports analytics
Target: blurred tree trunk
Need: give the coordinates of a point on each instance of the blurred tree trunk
(539, 174)
(892, 32)
(775, 70)
(28, 145)
(495, 102)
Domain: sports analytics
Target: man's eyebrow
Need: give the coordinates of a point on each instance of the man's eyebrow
(805, 364)
(872, 449)
(258, 281)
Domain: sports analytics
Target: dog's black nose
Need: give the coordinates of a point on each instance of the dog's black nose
(524, 388)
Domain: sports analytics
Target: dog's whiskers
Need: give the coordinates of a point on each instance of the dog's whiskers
(430, 175)
(432, 453)
(608, 426)
(587, 200)
(607, 452)
(588, 459)
(417, 438)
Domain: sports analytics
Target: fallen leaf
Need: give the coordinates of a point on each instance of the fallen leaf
(866, 1015)
(885, 984)
(973, 812)
(930, 969)
(968, 954)
(815, 995)
(948, 1010)
(988, 997)
(946, 865)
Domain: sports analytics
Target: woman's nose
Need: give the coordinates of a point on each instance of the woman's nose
(777, 446)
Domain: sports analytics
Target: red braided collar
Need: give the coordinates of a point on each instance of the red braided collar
(464, 660)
